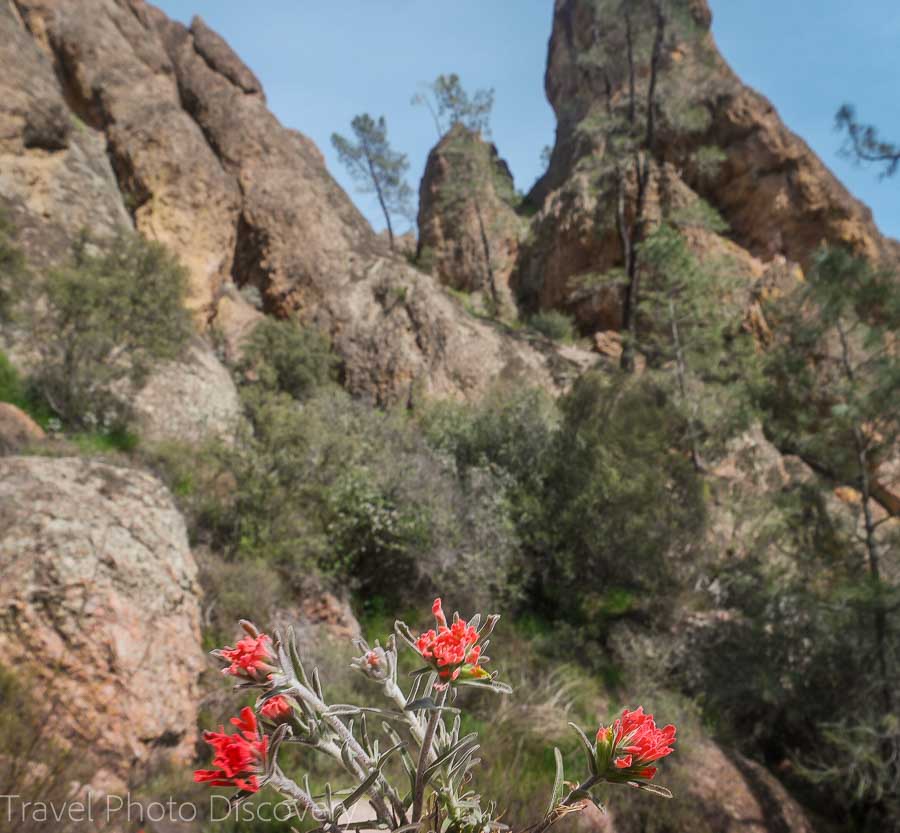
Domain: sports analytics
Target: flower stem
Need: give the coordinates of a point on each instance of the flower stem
(424, 754)
(568, 801)
(286, 787)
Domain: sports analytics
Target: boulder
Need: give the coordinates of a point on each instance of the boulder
(17, 429)
(188, 400)
(99, 609)
(724, 793)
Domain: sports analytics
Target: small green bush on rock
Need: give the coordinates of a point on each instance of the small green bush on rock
(284, 356)
(102, 323)
(553, 324)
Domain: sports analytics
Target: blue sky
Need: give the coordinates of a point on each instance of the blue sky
(322, 63)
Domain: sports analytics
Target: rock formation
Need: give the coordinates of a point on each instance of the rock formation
(201, 164)
(55, 176)
(772, 190)
(99, 608)
(468, 228)
(715, 139)
(188, 400)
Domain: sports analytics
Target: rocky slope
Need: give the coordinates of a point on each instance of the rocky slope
(175, 129)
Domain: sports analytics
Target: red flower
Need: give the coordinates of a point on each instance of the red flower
(633, 741)
(450, 649)
(276, 709)
(249, 658)
(240, 757)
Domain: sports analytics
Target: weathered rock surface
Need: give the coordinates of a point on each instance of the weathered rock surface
(776, 196)
(122, 83)
(204, 166)
(774, 192)
(55, 177)
(468, 229)
(99, 608)
(731, 794)
(725, 794)
(188, 400)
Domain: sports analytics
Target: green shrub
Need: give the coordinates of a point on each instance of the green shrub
(12, 389)
(330, 490)
(105, 320)
(598, 493)
(553, 324)
(13, 271)
(373, 533)
(117, 438)
(285, 356)
(17, 391)
(619, 501)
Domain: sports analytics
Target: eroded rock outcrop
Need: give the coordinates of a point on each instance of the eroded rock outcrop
(99, 609)
(55, 177)
(468, 229)
(726, 793)
(122, 84)
(713, 137)
(203, 165)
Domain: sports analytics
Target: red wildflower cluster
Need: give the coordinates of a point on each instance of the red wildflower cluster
(625, 749)
(450, 648)
(276, 709)
(240, 757)
(249, 658)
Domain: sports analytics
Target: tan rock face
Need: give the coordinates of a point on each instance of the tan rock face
(55, 178)
(118, 79)
(99, 606)
(734, 795)
(776, 196)
(468, 230)
(204, 166)
(723, 793)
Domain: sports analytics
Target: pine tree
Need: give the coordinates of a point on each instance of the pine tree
(864, 144)
(377, 168)
(449, 105)
(689, 312)
(833, 397)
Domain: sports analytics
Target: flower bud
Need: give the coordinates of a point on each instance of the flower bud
(374, 662)
(277, 709)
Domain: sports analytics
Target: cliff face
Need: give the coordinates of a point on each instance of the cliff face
(773, 191)
(713, 139)
(116, 114)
